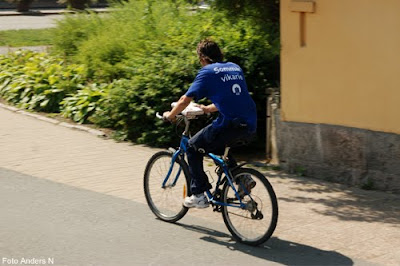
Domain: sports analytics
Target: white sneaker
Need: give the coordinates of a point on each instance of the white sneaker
(197, 201)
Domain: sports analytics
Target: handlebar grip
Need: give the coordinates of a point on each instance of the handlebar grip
(159, 116)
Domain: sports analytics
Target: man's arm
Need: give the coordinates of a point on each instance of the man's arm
(209, 108)
(183, 102)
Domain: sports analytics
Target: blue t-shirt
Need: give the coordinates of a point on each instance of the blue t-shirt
(224, 84)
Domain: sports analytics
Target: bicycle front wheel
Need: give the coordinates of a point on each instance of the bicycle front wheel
(165, 201)
(254, 223)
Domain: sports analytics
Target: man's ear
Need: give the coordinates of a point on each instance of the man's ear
(204, 61)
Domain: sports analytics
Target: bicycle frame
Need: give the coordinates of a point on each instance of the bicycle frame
(221, 162)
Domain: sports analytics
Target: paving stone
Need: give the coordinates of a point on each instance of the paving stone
(360, 225)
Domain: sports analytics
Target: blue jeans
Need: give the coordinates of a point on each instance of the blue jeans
(213, 140)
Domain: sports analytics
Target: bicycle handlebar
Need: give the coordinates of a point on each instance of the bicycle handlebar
(159, 116)
(190, 112)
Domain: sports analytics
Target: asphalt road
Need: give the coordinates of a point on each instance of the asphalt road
(46, 221)
(28, 22)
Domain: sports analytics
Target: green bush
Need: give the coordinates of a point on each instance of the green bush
(82, 104)
(74, 29)
(150, 47)
(37, 81)
(143, 55)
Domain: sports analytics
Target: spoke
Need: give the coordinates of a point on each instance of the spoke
(235, 214)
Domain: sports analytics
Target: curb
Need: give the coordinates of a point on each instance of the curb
(45, 12)
(92, 131)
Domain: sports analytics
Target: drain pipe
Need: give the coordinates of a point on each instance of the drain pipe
(271, 143)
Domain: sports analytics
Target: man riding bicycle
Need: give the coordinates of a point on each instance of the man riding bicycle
(224, 84)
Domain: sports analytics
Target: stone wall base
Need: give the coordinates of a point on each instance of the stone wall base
(357, 157)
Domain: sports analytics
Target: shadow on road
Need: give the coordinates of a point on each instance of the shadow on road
(274, 250)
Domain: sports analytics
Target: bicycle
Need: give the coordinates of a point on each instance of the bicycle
(250, 216)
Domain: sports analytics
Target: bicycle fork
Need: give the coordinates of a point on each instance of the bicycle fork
(175, 155)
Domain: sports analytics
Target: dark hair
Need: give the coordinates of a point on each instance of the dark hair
(210, 51)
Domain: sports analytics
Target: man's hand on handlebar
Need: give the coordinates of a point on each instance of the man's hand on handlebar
(208, 108)
(183, 102)
(188, 109)
(167, 116)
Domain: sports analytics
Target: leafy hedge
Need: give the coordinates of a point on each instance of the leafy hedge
(38, 82)
(144, 55)
(80, 106)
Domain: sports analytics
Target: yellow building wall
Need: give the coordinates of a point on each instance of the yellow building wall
(347, 72)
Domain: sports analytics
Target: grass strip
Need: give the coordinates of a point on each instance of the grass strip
(33, 37)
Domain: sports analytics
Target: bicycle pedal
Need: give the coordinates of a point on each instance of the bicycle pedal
(217, 209)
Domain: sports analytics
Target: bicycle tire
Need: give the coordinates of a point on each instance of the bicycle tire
(166, 203)
(249, 226)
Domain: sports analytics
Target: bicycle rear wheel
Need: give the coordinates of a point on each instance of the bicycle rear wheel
(166, 202)
(254, 224)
